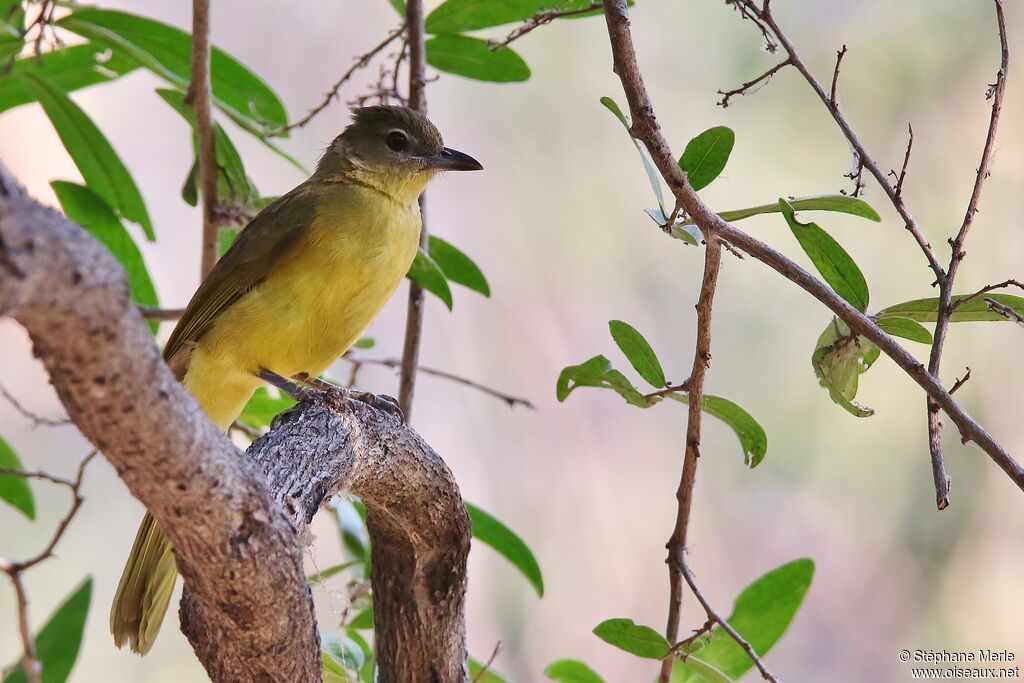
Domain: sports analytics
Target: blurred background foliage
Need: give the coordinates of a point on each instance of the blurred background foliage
(557, 225)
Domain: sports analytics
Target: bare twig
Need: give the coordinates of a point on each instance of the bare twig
(36, 419)
(684, 494)
(985, 290)
(667, 391)
(946, 282)
(713, 614)
(14, 569)
(906, 160)
(746, 88)
(357, 363)
(199, 98)
(161, 314)
(1004, 310)
(487, 665)
(835, 76)
(960, 382)
(414, 315)
(538, 20)
(361, 62)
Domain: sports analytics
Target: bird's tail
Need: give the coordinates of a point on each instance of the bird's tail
(145, 589)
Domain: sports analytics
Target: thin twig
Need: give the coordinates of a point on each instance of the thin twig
(667, 391)
(946, 282)
(906, 160)
(36, 419)
(487, 665)
(161, 314)
(199, 98)
(1004, 310)
(684, 494)
(985, 290)
(361, 62)
(745, 89)
(538, 20)
(960, 382)
(396, 363)
(835, 76)
(414, 314)
(713, 614)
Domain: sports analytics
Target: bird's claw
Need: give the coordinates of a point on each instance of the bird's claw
(381, 402)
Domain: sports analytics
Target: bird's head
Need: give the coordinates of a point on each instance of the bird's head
(395, 150)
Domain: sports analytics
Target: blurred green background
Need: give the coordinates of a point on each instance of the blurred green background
(556, 223)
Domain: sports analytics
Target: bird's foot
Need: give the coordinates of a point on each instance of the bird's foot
(381, 402)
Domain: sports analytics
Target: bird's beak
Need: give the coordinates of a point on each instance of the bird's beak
(452, 160)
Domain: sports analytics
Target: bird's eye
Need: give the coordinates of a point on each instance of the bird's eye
(397, 141)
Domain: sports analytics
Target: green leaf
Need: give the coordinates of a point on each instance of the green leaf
(835, 265)
(572, 671)
(707, 673)
(364, 620)
(837, 203)
(167, 52)
(839, 358)
(344, 651)
(68, 68)
(225, 238)
(761, 614)
(682, 229)
(473, 58)
(642, 641)
(652, 173)
(83, 206)
(906, 328)
(598, 372)
(364, 343)
(751, 434)
(458, 16)
(488, 530)
(479, 675)
(233, 184)
(705, 156)
(456, 266)
(638, 352)
(975, 310)
(14, 489)
(262, 408)
(102, 169)
(59, 641)
(425, 272)
(399, 6)
(320, 577)
(333, 671)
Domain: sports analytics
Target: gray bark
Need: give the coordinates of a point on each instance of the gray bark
(233, 520)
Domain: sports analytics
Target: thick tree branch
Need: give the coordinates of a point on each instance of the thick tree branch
(248, 609)
(199, 96)
(414, 315)
(645, 128)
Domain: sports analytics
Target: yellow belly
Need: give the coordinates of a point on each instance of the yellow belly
(309, 310)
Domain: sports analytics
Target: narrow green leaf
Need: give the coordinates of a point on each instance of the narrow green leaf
(489, 530)
(473, 58)
(83, 206)
(344, 651)
(364, 620)
(638, 352)
(68, 68)
(225, 238)
(706, 672)
(333, 671)
(837, 203)
(60, 639)
(456, 266)
(625, 634)
(761, 614)
(365, 343)
(262, 408)
(652, 173)
(102, 169)
(320, 577)
(906, 328)
(749, 431)
(399, 6)
(705, 156)
(975, 310)
(427, 274)
(14, 489)
(833, 263)
(166, 51)
(478, 674)
(458, 16)
(839, 358)
(572, 671)
(598, 372)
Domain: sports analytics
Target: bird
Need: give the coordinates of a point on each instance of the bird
(299, 285)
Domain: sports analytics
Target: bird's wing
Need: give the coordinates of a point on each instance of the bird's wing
(259, 246)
